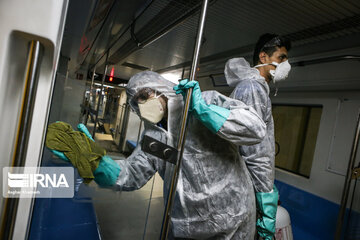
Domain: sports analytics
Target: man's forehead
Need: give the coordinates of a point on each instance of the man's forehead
(281, 52)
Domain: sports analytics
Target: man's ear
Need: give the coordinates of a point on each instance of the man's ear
(262, 57)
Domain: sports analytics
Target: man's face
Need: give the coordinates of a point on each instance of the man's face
(279, 56)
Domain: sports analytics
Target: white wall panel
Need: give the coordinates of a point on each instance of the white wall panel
(333, 146)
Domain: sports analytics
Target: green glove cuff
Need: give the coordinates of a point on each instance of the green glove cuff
(82, 128)
(267, 207)
(107, 172)
(212, 116)
(60, 155)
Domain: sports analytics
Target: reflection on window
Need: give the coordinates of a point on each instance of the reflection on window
(296, 129)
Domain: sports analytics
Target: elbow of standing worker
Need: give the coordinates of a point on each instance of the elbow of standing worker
(243, 126)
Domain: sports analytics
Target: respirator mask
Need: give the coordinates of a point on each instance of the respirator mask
(152, 109)
(281, 72)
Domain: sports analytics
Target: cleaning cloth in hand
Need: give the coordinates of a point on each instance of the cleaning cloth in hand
(83, 153)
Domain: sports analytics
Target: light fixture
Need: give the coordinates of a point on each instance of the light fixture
(172, 77)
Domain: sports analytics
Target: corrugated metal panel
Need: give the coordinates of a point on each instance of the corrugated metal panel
(171, 14)
(236, 25)
(243, 22)
(111, 29)
(172, 49)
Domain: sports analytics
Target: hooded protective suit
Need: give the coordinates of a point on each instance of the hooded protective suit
(252, 89)
(214, 197)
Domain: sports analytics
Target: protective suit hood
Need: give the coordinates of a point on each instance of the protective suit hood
(238, 69)
(175, 103)
(151, 80)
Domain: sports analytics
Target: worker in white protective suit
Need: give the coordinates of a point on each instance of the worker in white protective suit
(214, 196)
(251, 87)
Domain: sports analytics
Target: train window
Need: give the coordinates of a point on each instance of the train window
(296, 129)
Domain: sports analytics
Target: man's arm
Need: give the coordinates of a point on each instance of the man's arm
(129, 174)
(136, 170)
(237, 123)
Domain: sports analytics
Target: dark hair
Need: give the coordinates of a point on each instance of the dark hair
(143, 94)
(269, 43)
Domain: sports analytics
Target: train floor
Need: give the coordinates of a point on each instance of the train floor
(128, 215)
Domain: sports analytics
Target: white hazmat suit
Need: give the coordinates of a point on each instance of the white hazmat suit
(214, 197)
(252, 89)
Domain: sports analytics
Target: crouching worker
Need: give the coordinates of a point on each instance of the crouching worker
(214, 196)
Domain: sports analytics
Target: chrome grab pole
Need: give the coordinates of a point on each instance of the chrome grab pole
(22, 137)
(181, 142)
(92, 79)
(345, 194)
(90, 96)
(100, 95)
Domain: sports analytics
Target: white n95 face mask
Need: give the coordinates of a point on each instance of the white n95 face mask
(281, 72)
(152, 110)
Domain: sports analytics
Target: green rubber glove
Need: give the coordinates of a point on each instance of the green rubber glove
(212, 116)
(107, 171)
(267, 207)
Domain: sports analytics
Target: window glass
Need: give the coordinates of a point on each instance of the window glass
(296, 129)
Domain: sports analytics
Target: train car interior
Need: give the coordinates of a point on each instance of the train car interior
(91, 48)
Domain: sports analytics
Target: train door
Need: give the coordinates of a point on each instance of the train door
(29, 50)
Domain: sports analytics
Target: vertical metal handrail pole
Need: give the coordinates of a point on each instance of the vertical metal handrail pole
(181, 141)
(345, 194)
(24, 126)
(121, 127)
(90, 96)
(100, 96)
(124, 126)
(92, 79)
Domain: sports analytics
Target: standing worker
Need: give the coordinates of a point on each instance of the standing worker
(214, 196)
(251, 87)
